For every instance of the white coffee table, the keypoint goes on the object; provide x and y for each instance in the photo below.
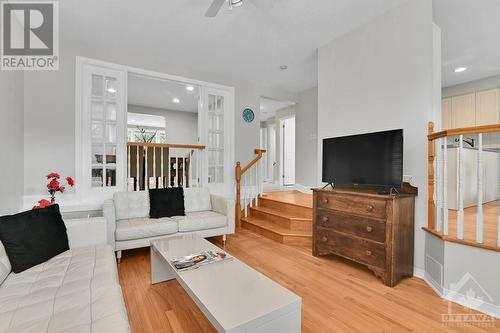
(232, 295)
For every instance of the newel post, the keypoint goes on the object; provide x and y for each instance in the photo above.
(238, 195)
(430, 174)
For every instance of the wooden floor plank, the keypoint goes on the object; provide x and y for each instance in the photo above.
(337, 295)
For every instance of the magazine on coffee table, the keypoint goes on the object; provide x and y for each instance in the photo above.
(196, 260)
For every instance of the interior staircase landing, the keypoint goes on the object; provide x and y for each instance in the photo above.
(285, 217)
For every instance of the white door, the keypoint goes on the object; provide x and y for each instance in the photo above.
(272, 154)
(101, 131)
(288, 151)
(215, 134)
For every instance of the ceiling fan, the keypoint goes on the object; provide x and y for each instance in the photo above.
(216, 5)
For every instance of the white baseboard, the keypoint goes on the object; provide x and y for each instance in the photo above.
(302, 188)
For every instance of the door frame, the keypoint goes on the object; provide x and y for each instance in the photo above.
(282, 151)
(228, 188)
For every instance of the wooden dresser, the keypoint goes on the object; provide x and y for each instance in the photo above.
(372, 229)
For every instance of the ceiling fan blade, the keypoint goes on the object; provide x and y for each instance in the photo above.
(214, 8)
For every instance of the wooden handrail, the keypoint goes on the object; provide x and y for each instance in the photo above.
(167, 145)
(465, 130)
(240, 171)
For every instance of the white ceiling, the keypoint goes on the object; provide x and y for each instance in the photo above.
(246, 43)
(470, 38)
(269, 106)
(250, 43)
(160, 94)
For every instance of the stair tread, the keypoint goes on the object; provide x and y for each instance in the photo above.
(276, 228)
(280, 213)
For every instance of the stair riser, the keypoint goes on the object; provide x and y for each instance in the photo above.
(302, 212)
(284, 222)
(290, 240)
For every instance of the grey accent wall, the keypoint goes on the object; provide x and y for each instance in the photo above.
(180, 127)
(11, 141)
(306, 135)
(380, 77)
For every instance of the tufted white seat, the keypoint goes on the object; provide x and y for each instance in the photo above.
(200, 220)
(145, 227)
(76, 291)
(128, 222)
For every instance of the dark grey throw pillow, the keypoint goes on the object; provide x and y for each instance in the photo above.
(166, 202)
(33, 237)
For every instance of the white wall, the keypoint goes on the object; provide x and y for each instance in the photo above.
(306, 127)
(472, 86)
(180, 126)
(50, 109)
(380, 77)
(11, 141)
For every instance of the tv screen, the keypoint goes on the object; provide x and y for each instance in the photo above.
(373, 159)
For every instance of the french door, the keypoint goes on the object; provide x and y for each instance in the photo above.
(101, 163)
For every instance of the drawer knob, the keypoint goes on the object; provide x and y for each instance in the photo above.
(369, 208)
(324, 238)
(368, 252)
(369, 228)
(325, 200)
(325, 219)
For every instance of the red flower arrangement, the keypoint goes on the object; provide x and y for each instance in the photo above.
(53, 187)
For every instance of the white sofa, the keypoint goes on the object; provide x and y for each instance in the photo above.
(76, 291)
(129, 225)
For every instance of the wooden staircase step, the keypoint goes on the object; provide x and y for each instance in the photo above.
(291, 208)
(282, 218)
(276, 232)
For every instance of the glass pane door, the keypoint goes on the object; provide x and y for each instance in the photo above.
(215, 144)
(102, 129)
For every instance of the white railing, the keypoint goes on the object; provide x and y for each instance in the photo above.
(461, 181)
(151, 165)
(249, 184)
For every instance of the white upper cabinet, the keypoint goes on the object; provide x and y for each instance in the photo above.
(487, 107)
(446, 117)
(463, 110)
(469, 110)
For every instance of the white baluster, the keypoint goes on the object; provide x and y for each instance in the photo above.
(245, 193)
(439, 192)
(161, 168)
(138, 185)
(128, 168)
(146, 179)
(250, 180)
(191, 153)
(461, 165)
(479, 214)
(257, 175)
(445, 186)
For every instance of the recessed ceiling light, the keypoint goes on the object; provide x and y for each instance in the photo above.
(111, 90)
(176, 100)
(460, 69)
(132, 120)
(189, 88)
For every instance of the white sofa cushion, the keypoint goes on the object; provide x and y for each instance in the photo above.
(144, 228)
(200, 221)
(196, 199)
(76, 291)
(5, 267)
(130, 205)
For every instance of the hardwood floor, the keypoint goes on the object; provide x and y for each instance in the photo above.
(337, 296)
(490, 221)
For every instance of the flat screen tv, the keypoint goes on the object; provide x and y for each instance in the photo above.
(372, 160)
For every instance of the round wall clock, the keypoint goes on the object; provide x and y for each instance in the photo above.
(248, 115)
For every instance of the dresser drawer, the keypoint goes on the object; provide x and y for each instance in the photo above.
(358, 249)
(351, 204)
(351, 224)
